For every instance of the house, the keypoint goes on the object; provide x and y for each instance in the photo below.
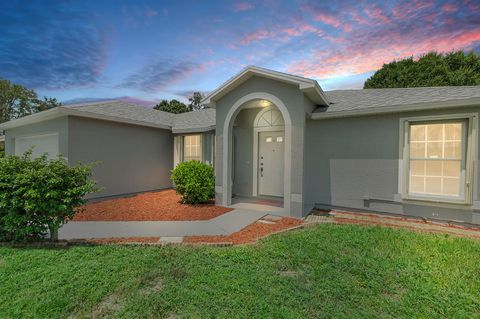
(280, 138)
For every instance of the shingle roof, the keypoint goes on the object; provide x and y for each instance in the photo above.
(125, 110)
(342, 103)
(352, 100)
(197, 121)
(202, 120)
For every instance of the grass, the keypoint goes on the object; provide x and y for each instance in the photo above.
(331, 271)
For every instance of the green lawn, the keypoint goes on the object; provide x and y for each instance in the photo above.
(328, 271)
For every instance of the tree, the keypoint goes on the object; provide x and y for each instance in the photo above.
(173, 106)
(17, 101)
(432, 69)
(196, 101)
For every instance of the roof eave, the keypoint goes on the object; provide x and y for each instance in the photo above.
(34, 118)
(397, 109)
(194, 130)
(66, 111)
(110, 118)
(309, 86)
(315, 93)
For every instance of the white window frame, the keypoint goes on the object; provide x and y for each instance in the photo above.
(470, 140)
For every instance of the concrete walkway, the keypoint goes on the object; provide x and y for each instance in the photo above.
(242, 216)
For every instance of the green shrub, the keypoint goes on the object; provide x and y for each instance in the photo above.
(37, 196)
(195, 182)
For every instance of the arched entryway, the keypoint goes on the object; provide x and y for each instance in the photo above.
(271, 125)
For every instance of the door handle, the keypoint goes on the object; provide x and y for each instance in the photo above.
(261, 171)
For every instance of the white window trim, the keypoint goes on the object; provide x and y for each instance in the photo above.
(471, 158)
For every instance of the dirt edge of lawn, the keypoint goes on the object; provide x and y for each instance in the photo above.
(262, 228)
(266, 227)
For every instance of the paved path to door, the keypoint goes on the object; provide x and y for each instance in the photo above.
(242, 216)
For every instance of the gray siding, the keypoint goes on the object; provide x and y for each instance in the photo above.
(353, 163)
(132, 158)
(58, 125)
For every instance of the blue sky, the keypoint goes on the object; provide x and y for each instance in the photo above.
(149, 50)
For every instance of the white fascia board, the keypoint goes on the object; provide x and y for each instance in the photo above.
(315, 93)
(31, 119)
(397, 109)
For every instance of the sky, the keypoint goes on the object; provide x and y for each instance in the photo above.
(151, 50)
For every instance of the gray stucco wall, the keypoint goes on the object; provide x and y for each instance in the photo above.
(294, 101)
(58, 125)
(133, 158)
(243, 152)
(353, 163)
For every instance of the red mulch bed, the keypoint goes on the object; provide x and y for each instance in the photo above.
(160, 206)
(249, 234)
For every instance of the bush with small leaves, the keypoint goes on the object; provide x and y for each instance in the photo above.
(37, 196)
(194, 181)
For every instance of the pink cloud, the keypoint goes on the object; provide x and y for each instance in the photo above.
(332, 20)
(377, 14)
(256, 35)
(405, 10)
(301, 28)
(363, 57)
(274, 33)
(449, 7)
(347, 27)
(360, 19)
(326, 17)
(242, 6)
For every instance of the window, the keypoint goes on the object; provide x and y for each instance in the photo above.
(436, 159)
(192, 149)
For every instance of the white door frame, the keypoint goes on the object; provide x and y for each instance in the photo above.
(227, 146)
(256, 131)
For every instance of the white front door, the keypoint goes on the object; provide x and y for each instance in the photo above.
(270, 163)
